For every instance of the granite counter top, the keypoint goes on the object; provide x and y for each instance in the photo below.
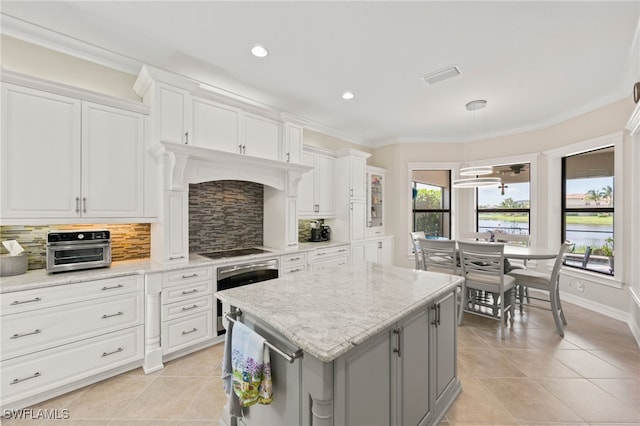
(328, 312)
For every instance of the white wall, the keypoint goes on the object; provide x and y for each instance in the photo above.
(27, 58)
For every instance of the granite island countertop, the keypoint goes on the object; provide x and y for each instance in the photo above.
(328, 312)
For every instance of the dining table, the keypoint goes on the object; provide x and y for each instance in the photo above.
(528, 252)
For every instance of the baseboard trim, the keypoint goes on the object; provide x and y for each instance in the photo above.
(635, 328)
(596, 307)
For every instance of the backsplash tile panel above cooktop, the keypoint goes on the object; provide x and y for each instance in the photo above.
(225, 215)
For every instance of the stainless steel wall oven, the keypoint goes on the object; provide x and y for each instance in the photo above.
(232, 276)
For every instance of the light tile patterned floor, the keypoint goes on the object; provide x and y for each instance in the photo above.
(534, 377)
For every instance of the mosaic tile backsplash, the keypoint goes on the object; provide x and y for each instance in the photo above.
(225, 215)
(128, 240)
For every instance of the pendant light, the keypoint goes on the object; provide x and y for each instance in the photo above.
(474, 171)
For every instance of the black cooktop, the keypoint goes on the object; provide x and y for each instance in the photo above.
(233, 253)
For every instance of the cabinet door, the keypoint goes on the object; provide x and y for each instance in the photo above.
(171, 120)
(371, 251)
(357, 254)
(262, 137)
(325, 170)
(358, 178)
(358, 218)
(215, 126)
(176, 231)
(40, 154)
(363, 384)
(112, 162)
(385, 252)
(306, 187)
(445, 344)
(292, 143)
(414, 399)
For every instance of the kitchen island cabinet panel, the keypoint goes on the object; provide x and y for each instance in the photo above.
(371, 361)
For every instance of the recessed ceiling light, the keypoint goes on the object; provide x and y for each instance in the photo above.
(348, 95)
(259, 51)
(476, 105)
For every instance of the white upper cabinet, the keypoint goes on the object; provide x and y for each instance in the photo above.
(215, 125)
(261, 137)
(316, 197)
(67, 158)
(171, 122)
(112, 158)
(40, 153)
(358, 178)
(292, 143)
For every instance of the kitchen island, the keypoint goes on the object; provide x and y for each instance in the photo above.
(378, 343)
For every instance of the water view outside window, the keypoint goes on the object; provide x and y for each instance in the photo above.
(431, 202)
(505, 208)
(587, 216)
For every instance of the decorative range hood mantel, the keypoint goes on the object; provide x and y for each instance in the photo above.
(185, 164)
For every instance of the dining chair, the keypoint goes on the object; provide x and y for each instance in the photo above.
(439, 255)
(416, 247)
(528, 278)
(483, 270)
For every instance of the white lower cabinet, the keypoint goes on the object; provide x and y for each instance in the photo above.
(188, 309)
(59, 338)
(292, 263)
(329, 257)
(409, 371)
(379, 250)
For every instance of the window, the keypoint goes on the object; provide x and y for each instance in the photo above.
(587, 209)
(432, 202)
(506, 208)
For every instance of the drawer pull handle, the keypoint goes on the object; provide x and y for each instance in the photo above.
(342, 250)
(190, 276)
(14, 381)
(19, 302)
(190, 331)
(176, 257)
(190, 291)
(113, 287)
(321, 253)
(15, 336)
(188, 308)
(291, 259)
(105, 316)
(111, 353)
(295, 270)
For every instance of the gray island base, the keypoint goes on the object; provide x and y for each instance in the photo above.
(378, 342)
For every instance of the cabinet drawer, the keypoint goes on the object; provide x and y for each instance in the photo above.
(187, 276)
(293, 268)
(293, 258)
(28, 332)
(29, 300)
(43, 371)
(184, 332)
(187, 291)
(319, 254)
(331, 262)
(187, 307)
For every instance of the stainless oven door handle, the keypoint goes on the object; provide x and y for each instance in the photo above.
(239, 269)
(101, 244)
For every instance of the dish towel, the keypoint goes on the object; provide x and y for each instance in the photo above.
(246, 368)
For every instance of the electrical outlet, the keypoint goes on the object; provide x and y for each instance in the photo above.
(580, 286)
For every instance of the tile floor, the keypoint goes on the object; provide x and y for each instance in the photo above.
(534, 377)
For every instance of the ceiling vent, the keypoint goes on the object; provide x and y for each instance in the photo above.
(438, 76)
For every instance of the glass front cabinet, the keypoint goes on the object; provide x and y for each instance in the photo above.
(375, 201)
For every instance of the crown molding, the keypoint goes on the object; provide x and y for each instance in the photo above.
(26, 31)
